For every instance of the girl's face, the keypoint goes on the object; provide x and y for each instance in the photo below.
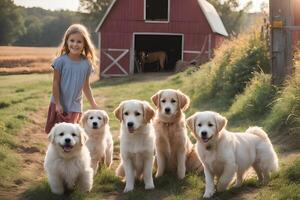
(75, 44)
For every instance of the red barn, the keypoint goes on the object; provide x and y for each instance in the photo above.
(183, 29)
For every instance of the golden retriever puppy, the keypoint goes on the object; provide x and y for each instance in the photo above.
(100, 142)
(174, 150)
(224, 153)
(136, 142)
(68, 159)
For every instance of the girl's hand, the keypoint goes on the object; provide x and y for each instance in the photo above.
(96, 107)
(59, 109)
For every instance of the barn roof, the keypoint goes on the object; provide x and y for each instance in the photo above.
(212, 17)
(209, 11)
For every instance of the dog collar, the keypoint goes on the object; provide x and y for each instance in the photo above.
(208, 147)
(167, 124)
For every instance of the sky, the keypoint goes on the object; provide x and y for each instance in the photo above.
(74, 4)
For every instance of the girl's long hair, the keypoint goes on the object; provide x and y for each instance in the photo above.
(88, 49)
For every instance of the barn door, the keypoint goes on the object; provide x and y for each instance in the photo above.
(114, 56)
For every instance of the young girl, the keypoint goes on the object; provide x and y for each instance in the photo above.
(72, 70)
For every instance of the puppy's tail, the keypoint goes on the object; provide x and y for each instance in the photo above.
(269, 159)
(255, 130)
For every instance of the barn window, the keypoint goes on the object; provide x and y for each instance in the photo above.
(157, 10)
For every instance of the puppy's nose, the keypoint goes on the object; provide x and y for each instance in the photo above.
(167, 110)
(130, 124)
(95, 123)
(204, 133)
(67, 140)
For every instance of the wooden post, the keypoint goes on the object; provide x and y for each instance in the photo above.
(281, 39)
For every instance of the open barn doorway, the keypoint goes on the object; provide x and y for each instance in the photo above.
(149, 48)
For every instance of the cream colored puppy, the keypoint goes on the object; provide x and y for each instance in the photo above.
(100, 142)
(225, 153)
(174, 150)
(68, 159)
(136, 142)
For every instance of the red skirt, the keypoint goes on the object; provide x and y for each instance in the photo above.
(54, 117)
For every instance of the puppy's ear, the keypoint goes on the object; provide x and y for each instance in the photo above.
(155, 99)
(184, 100)
(190, 122)
(51, 135)
(220, 122)
(105, 117)
(118, 112)
(148, 111)
(83, 136)
(85, 116)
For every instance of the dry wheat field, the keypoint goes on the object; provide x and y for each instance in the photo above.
(22, 60)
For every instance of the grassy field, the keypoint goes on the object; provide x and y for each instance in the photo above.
(24, 101)
(109, 93)
(23, 60)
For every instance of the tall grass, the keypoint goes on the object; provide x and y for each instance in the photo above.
(285, 115)
(217, 84)
(236, 65)
(255, 102)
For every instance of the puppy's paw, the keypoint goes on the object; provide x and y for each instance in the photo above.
(181, 175)
(208, 194)
(58, 191)
(149, 186)
(127, 189)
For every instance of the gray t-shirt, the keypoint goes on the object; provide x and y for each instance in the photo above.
(72, 77)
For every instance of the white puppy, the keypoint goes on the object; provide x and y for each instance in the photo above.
(136, 142)
(68, 159)
(225, 153)
(100, 142)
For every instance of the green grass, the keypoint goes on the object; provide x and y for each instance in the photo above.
(254, 103)
(285, 184)
(286, 109)
(20, 95)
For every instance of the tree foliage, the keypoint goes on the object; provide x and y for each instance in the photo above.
(230, 14)
(95, 8)
(45, 28)
(11, 22)
(92, 12)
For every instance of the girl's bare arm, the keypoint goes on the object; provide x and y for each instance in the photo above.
(88, 94)
(55, 91)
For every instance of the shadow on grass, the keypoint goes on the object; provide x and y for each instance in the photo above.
(43, 191)
(239, 193)
(164, 187)
(168, 187)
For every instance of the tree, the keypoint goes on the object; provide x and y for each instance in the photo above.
(96, 8)
(92, 13)
(11, 22)
(230, 15)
